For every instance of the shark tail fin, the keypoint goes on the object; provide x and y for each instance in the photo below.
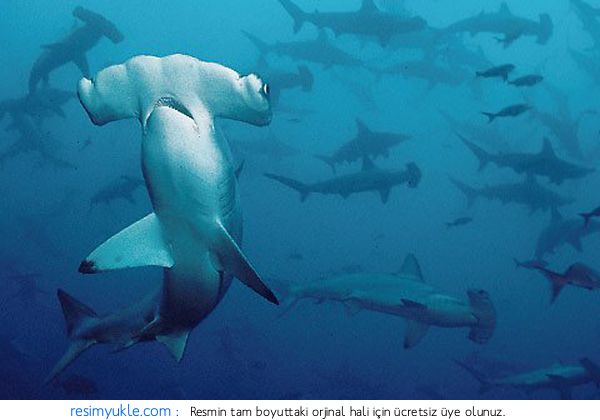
(484, 311)
(468, 191)
(592, 369)
(545, 29)
(491, 116)
(586, 218)
(306, 77)
(261, 45)
(483, 156)
(291, 183)
(484, 382)
(295, 12)
(75, 313)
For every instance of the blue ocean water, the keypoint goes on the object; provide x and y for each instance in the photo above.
(59, 173)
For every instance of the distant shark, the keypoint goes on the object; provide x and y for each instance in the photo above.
(122, 187)
(319, 50)
(282, 80)
(366, 21)
(559, 376)
(404, 294)
(504, 22)
(195, 230)
(545, 163)
(371, 178)
(528, 193)
(561, 231)
(40, 104)
(74, 47)
(366, 142)
(589, 17)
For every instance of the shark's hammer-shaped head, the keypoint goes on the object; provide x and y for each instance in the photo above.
(132, 90)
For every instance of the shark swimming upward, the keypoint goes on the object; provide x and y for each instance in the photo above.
(195, 229)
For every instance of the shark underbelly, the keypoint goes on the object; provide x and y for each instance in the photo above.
(193, 191)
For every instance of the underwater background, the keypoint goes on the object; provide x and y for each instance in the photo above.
(53, 212)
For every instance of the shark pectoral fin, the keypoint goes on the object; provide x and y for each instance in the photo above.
(175, 342)
(556, 287)
(385, 195)
(415, 331)
(75, 349)
(82, 63)
(233, 261)
(138, 245)
(352, 308)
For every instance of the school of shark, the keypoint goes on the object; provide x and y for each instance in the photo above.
(380, 159)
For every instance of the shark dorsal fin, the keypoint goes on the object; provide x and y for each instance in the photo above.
(361, 128)
(410, 267)
(504, 9)
(368, 164)
(547, 149)
(368, 6)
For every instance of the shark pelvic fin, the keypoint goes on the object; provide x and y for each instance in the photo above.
(410, 268)
(138, 245)
(415, 331)
(175, 342)
(232, 260)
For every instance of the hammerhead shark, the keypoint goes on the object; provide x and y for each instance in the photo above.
(504, 22)
(74, 46)
(194, 232)
(561, 377)
(544, 163)
(404, 294)
(370, 178)
(366, 21)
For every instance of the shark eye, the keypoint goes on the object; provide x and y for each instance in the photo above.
(265, 90)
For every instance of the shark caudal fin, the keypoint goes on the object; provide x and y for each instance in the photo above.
(546, 28)
(484, 311)
(306, 77)
(75, 314)
(586, 218)
(138, 245)
(491, 116)
(592, 369)
(260, 45)
(483, 156)
(484, 382)
(297, 14)
(303, 189)
(469, 192)
(231, 259)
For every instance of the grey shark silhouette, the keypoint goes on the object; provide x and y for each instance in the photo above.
(366, 21)
(501, 71)
(404, 294)
(74, 47)
(589, 215)
(561, 231)
(42, 103)
(577, 275)
(195, 229)
(371, 178)
(32, 138)
(545, 163)
(319, 50)
(527, 81)
(587, 62)
(121, 188)
(428, 70)
(559, 376)
(588, 15)
(528, 193)
(366, 142)
(504, 22)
